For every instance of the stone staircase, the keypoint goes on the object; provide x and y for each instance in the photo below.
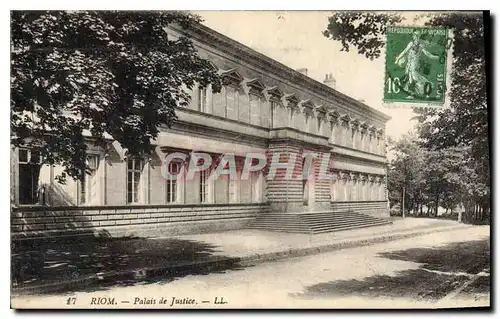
(315, 222)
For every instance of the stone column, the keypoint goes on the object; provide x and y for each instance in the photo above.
(366, 142)
(344, 132)
(370, 143)
(337, 187)
(354, 186)
(361, 187)
(343, 129)
(354, 137)
(347, 186)
(333, 189)
(377, 144)
(321, 188)
(365, 188)
(362, 139)
(378, 181)
(342, 186)
(381, 143)
(334, 132)
(370, 188)
(384, 193)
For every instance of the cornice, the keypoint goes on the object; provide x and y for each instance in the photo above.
(213, 38)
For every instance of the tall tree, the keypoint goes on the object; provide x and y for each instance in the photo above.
(77, 75)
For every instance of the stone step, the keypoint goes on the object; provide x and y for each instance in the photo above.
(316, 222)
(338, 224)
(338, 217)
(319, 220)
(289, 230)
(336, 214)
(326, 229)
(344, 228)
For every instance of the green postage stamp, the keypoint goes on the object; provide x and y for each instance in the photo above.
(416, 65)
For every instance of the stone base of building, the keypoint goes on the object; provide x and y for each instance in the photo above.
(135, 221)
(170, 220)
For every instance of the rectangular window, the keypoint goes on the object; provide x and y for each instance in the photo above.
(345, 134)
(320, 128)
(204, 186)
(274, 110)
(88, 184)
(172, 185)
(29, 173)
(202, 99)
(219, 103)
(352, 142)
(254, 109)
(83, 190)
(244, 108)
(265, 114)
(93, 162)
(134, 171)
(23, 156)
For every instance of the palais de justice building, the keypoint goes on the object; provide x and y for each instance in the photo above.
(265, 107)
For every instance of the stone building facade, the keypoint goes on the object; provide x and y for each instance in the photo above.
(264, 107)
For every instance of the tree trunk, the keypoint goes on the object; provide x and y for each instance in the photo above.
(437, 201)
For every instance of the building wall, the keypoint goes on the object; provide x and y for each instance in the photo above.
(264, 108)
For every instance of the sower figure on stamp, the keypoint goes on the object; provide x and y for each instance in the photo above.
(414, 81)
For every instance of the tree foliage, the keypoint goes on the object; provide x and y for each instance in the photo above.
(432, 178)
(80, 76)
(362, 30)
(458, 134)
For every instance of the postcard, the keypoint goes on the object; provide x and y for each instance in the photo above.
(250, 160)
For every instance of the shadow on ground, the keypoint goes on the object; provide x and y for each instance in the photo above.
(38, 262)
(441, 271)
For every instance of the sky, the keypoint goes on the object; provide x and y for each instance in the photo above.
(295, 39)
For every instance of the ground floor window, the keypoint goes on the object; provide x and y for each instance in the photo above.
(134, 171)
(88, 187)
(202, 99)
(29, 173)
(204, 186)
(83, 190)
(172, 190)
